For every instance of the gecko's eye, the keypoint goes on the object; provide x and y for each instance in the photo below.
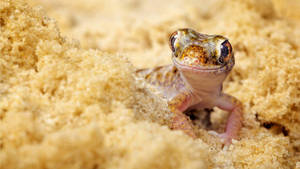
(172, 41)
(225, 52)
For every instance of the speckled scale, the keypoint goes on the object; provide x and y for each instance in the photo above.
(165, 78)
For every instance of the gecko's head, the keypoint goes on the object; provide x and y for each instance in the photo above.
(196, 51)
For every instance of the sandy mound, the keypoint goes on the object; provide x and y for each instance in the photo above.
(76, 104)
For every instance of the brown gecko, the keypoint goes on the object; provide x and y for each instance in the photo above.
(200, 65)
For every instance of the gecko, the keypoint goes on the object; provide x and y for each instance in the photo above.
(201, 63)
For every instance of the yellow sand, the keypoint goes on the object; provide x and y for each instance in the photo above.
(64, 104)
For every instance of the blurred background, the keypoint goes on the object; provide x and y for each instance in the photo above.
(140, 28)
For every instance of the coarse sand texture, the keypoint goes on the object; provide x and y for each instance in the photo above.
(69, 97)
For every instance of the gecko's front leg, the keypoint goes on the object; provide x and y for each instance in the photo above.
(234, 123)
(180, 121)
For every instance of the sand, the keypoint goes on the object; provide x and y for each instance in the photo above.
(69, 97)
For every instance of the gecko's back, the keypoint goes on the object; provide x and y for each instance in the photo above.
(165, 78)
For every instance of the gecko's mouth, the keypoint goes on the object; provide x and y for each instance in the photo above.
(204, 68)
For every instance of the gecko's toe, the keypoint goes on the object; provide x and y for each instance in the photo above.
(225, 138)
(211, 132)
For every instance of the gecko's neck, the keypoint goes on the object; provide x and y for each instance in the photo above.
(203, 83)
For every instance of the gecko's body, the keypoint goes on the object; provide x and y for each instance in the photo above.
(200, 65)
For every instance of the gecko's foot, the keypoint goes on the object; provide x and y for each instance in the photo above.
(183, 123)
(185, 127)
(225, 138)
